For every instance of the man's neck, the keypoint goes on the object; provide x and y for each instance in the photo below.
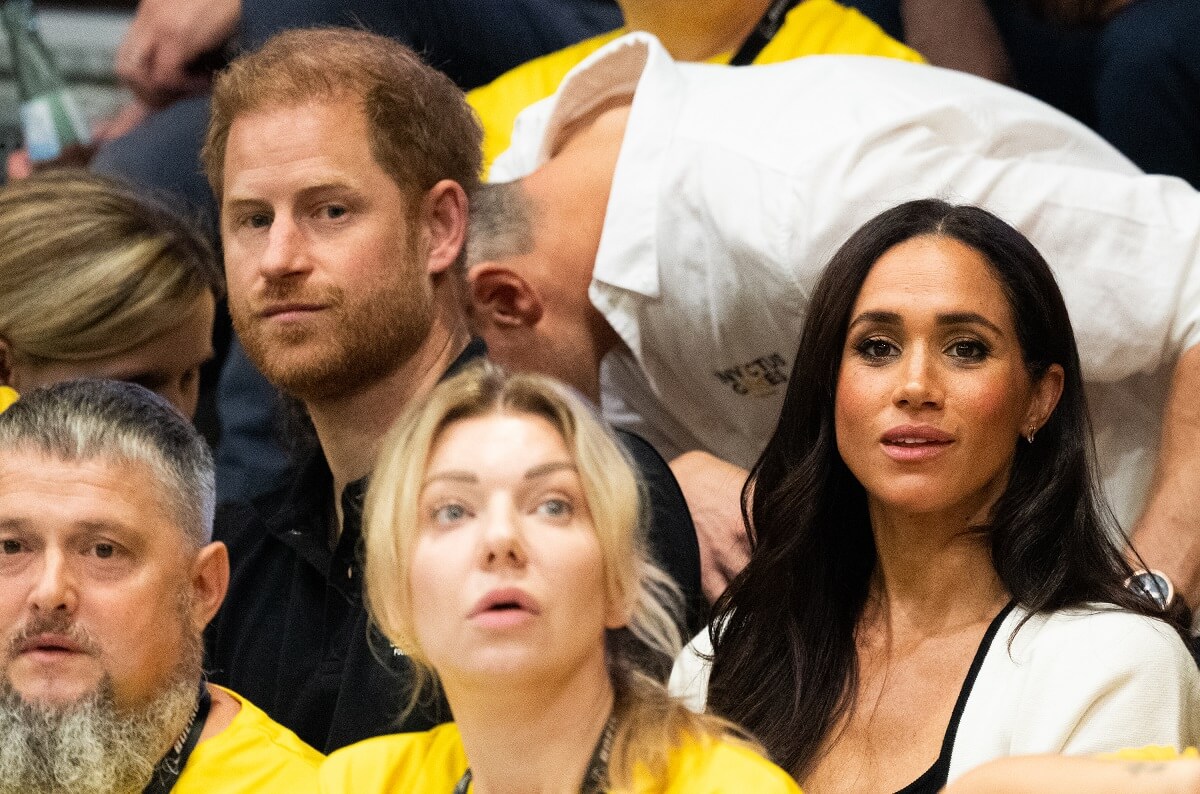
(220, 715)
(351, 426)
(695, 30)
(534, 738)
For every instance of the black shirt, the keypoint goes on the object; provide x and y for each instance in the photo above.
(293, 635)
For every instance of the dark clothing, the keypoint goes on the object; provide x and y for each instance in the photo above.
(1135, 80)
(473, 41)
(293, 633)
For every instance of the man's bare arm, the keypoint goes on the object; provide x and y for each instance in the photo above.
(1168, 534)
(1044, 773)
(713, 490)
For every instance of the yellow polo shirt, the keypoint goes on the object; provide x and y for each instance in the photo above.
(253, 755)
(433, 762)
(7, 397)
(813, 27)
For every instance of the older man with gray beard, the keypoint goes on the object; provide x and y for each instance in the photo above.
(108, 577)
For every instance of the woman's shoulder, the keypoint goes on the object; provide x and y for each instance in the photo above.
(709, 765)
(1098, 632)
(431, 760)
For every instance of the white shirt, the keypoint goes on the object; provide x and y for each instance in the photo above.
(1075, 682)
(734, 186)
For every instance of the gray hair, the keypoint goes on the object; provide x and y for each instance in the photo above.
(500, 223)
(122, 422)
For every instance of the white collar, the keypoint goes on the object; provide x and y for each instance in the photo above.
(636, 63)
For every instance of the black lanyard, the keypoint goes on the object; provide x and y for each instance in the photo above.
(764, 31)
(595, 780)
(168, 770)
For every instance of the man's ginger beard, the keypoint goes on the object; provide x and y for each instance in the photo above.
(363, 337)
(90, 746)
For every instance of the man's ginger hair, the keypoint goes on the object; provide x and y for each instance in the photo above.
(421, 128)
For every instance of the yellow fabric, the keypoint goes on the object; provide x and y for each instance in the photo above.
(813, 27)
(432, 762)
(253, 755)
(7, 397)
(1152, 753)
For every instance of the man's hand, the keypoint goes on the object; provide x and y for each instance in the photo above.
(1168, 534)
(713, 490)
(164, 38)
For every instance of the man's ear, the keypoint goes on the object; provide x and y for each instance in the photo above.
(501, 297)
(209, 581)
(444, 217)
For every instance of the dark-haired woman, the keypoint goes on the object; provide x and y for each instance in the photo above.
(934, 583)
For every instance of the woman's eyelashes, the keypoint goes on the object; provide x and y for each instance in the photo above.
(880, 350)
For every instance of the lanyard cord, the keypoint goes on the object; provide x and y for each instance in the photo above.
(764, 31)
(168, 770)
(595, 780)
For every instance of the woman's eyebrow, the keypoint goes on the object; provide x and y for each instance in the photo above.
(968, 318)
(547, 468)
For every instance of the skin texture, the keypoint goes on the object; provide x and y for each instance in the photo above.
(313, 225)
(503, 507)
(931, 344)
(93, 544)
(168, 364)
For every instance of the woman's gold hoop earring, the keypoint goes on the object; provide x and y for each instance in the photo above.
(1030, 434)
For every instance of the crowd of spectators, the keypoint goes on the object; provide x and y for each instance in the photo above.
(566, 332)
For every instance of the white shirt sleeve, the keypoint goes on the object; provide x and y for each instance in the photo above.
(1080, 683)
(689, 676)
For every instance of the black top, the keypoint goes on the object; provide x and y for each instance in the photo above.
(936, 777)
(292, 636)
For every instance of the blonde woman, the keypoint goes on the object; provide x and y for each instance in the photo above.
(505, 555)
(97, 281)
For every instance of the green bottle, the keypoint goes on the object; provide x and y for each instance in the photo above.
(54, 128)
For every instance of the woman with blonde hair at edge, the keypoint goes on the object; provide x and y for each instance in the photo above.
(505, 553)
(98, 281)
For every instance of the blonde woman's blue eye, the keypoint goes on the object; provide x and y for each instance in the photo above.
(449, 514)
(555, 508)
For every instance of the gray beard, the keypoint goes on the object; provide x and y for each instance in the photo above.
(89, 747)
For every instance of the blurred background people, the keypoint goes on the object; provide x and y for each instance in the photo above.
(736, 32)
(1130, 69)
(934, 583)
(507, 556)
(108, 577)
(98, 280)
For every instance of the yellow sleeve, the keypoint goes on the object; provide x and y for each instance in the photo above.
(1152, 753)
(253, 755)
(7, 397)
(498, 103)
(825, 27)
(432, 761)
(721, 766)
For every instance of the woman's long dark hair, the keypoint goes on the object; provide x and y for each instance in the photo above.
(784, 664)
